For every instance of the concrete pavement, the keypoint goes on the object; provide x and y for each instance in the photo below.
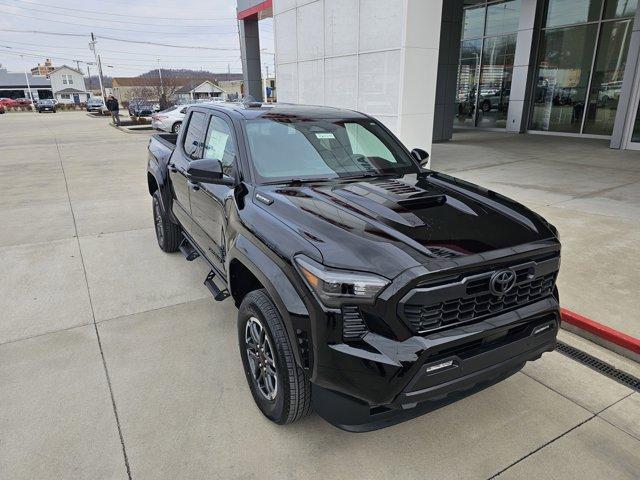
(116, 363)
(589, 191)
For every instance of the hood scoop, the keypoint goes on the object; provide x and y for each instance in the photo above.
(410, 196)
(399, 188)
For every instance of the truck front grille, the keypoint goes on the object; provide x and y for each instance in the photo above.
(470, 299)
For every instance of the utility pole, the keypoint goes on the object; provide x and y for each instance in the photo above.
(78, 65)
(92, 46)
(28, 84)
(162, 99)
(89, 76)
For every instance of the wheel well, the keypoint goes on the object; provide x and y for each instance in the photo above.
(153, 185)
(241, 281)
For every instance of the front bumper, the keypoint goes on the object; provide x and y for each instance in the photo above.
(386, 382)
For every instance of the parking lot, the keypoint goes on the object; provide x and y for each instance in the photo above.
(115, 362)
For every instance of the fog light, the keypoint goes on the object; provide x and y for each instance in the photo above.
(544, 328)
(439, 366)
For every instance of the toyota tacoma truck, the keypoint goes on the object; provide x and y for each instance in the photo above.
(368, 287)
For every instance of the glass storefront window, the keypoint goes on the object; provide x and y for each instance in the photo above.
(486, 62)
(495, 81)
(568, 12)
(503, 17)
(578, 82)
(562, 78)
(468, 71)
(473, 22)
(620, 8)
(606, 82)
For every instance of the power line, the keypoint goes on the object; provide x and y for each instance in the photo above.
(115, 39)
(130, 67)
(108, 20)
(52, 54)
(122, 52)
(130, 16)
(114, 28)
(83, 35)
(165, 44)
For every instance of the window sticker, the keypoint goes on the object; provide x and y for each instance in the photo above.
(325, 136)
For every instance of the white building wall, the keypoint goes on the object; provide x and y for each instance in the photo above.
(376, 56)
(57, 84)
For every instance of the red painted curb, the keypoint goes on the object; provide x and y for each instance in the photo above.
(614, 336)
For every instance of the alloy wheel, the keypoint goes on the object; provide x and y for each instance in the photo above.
(261, 357)
(157, 220)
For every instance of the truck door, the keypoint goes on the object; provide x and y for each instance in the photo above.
(208, 200)
(190, 148)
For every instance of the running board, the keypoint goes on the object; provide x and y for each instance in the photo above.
(218, 293)
(188, 251)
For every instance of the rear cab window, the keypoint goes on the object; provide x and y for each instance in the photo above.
(193, 139)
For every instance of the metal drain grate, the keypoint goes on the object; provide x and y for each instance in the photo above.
(599, 366)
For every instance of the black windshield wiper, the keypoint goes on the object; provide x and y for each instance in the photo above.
(368, 175)
(298, 181)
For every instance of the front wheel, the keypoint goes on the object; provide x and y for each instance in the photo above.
(167, 232)
(277, 383)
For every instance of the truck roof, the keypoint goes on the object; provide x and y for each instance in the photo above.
(252, 110)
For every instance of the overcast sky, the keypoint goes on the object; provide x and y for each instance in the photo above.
(193, 23)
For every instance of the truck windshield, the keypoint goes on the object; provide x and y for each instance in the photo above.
(286, 148)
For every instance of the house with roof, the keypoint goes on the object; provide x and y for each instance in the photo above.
(68, 85)
(196, 90)
(176, 88)
(14, 85)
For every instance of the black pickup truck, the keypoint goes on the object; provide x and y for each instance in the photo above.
(368, 286)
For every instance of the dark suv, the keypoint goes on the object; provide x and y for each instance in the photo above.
(367, 285)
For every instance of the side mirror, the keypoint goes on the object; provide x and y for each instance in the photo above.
(207, 171)
(422, 156)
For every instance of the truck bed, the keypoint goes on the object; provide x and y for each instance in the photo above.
(161, 146)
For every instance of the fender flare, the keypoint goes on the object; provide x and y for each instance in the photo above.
(284, 295)
(165, 194)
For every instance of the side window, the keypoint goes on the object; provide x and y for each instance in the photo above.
(366, 143)
(194, 135)
(184, 110)
(219, 144)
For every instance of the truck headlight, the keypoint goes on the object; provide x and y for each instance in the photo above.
(333, 287)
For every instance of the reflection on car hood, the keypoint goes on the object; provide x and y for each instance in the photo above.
(397, 223)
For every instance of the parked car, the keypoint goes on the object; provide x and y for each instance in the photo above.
(169, 120)
(46, 105)
(8, 102)
(609, 94)
(497, 99)
(95, 104)
(24, 102)
(367, 285)
(141, 108)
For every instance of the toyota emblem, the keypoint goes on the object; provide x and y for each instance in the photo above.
(502, 282)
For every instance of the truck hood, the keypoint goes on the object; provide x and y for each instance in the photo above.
(387, 225)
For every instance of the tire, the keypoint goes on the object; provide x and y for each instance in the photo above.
(486, 106)
(176, 127)
(167, 232)
(291, 397)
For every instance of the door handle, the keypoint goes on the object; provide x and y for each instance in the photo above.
(173, 168)
(194, 185)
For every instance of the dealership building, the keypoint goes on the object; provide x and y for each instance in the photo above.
(425, 67)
